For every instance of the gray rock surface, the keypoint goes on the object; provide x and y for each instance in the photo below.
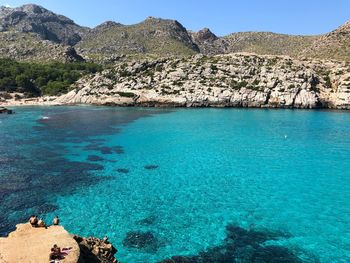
(36, 19)
(235, 80)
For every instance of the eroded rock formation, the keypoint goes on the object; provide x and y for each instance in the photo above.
(235, 80)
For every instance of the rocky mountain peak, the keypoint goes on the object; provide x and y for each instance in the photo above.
(204, 35)
(34, 9)
(36, 19)
(343, 29)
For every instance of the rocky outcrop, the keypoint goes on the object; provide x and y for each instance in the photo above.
(95, 250)
(71, 55)
(33, 245)
(36, 19)
(236, 80)
(30, 47)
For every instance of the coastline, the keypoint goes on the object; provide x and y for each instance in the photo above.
(53, 101)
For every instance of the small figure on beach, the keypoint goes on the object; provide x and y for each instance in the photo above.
(105, 240)
(41, 223)
(56, 221)
(33, 220)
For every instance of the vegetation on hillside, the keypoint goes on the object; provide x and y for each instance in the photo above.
(160, 37)
(35, 79)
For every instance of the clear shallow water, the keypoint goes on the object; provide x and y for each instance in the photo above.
(270, 170)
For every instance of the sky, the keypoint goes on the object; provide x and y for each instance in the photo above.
(297, 17)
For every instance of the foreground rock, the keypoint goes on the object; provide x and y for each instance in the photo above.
(33, 245)
(235, 80)
(95, 250)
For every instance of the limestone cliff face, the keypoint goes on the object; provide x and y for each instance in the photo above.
(237, 80)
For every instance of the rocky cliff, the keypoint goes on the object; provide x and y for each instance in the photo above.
(236, 80)
(36, 19)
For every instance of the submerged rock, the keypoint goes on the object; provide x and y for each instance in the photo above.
(118, 149)
(94, 158)
(151, 167)
(145, 241)
(244, 246)
(123, 170)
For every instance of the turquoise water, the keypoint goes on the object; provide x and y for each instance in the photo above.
(270, 170)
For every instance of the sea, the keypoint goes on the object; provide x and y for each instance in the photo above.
(203, 185)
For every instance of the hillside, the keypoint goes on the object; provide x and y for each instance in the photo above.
(153, 36)
(30, 47)
(334, 45)
(262, 43)
(36, 19)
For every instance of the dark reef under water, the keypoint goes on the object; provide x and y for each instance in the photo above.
(33, 161)
(244, 246)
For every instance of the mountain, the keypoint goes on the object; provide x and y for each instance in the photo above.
(36, 19)
(24, 30)
(253, 42)
(334, 45)
(161, 37)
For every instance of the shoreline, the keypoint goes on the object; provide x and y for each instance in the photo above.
(166, 105)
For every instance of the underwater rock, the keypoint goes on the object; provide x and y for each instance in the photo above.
(241, 245)
(151, 167)
(145, 241)
(118, 149)
(106, 150)
(123, 171)
(274, 254)
(98, 148)
(94, 158)
(150, 220)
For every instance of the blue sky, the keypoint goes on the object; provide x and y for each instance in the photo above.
(221, 16)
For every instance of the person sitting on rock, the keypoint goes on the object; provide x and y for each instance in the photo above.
(33, 220)
(105, 239)
(56, 221)
(41, 223)
(55, 252)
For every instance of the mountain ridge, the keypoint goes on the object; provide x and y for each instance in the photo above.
(164, 37)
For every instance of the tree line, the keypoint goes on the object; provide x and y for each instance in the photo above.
(35, 79)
